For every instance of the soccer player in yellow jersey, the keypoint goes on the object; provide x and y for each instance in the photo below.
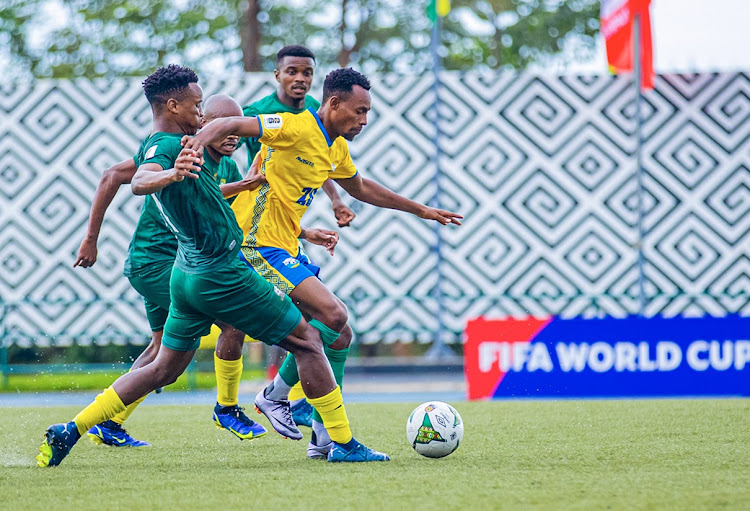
(303, 151)
(295, 68)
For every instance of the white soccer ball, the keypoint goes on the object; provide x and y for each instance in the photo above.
(434, 429)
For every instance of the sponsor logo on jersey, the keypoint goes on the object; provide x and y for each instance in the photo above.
(306, 162)
(272, 121)
(150, 153)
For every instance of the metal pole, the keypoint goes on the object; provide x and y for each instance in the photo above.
(638, 160)
(438, 349)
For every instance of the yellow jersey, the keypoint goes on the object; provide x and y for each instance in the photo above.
(297, 157)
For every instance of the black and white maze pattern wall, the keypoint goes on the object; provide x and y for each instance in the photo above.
(543, 169)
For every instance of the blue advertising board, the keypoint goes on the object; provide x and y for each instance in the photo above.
(608, 357)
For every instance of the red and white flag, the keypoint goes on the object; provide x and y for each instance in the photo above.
(617, 26)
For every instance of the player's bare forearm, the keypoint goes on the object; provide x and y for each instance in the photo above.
(367, 190)
(331, 191)
(344, 215)
(231, 189)
(376, 194)
(112, 178)
(252, 180)
(219, 129)
(148, 181)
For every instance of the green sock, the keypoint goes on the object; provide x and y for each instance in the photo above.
(327, 335)
(288, 370)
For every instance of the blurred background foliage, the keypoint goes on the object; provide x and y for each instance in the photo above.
(105, 38)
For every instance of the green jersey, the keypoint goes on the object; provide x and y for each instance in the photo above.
(271, 105)
(207, 233)
(153, 244)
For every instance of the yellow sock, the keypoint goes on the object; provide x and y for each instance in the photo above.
(331, 410)
(105, 406)
(121, 417)
(296, 393)
(228, 374)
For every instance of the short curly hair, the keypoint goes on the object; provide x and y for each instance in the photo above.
(341, 82)
(294, 50)
(167, 82)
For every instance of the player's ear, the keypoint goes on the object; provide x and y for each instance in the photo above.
(334, 102)
(276, 74)
(172, 105)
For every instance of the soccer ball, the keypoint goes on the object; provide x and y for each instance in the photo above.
(434, 429)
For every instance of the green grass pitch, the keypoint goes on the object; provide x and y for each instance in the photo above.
(652, 454)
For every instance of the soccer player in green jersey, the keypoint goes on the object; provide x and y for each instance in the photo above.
(208, 281)
(303, 151)
(295, 69)
(148, 267)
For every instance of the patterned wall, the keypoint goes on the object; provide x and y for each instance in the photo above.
(543, 169)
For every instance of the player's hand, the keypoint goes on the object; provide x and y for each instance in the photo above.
(254, 178)
(187, 164)
(86, 253)
(441, 215)
(322, 237)
(344, 215)
(193, 143)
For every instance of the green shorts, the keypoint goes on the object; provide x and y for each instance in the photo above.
(153, 285)
(234, 294)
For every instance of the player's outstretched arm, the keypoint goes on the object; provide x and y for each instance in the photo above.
(150, 177)
(252, 180)
(219, 129)
(112, 178)
(376, 194)
(322, 237)
(344, 215)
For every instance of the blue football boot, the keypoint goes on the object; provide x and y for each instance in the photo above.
(111, 433)
(302, 413)
(354, 452)
(234, 419)
(58, 441)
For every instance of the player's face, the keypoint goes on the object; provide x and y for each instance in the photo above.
(295, 74)
(227, 146)
(189, 111)
(349, 115)
(217, 110)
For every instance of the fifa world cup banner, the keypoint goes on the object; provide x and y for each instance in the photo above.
(607, 357)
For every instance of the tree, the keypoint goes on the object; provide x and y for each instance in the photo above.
(15, 17)
(132, 37)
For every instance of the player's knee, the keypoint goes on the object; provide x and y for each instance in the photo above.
(164, 375)
(304, 341)
(336, 317)
(345, 339)
(230, 336)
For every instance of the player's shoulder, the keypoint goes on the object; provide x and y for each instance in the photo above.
(287, 121)
(339, 151)
(161, 144)
(264, 105)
